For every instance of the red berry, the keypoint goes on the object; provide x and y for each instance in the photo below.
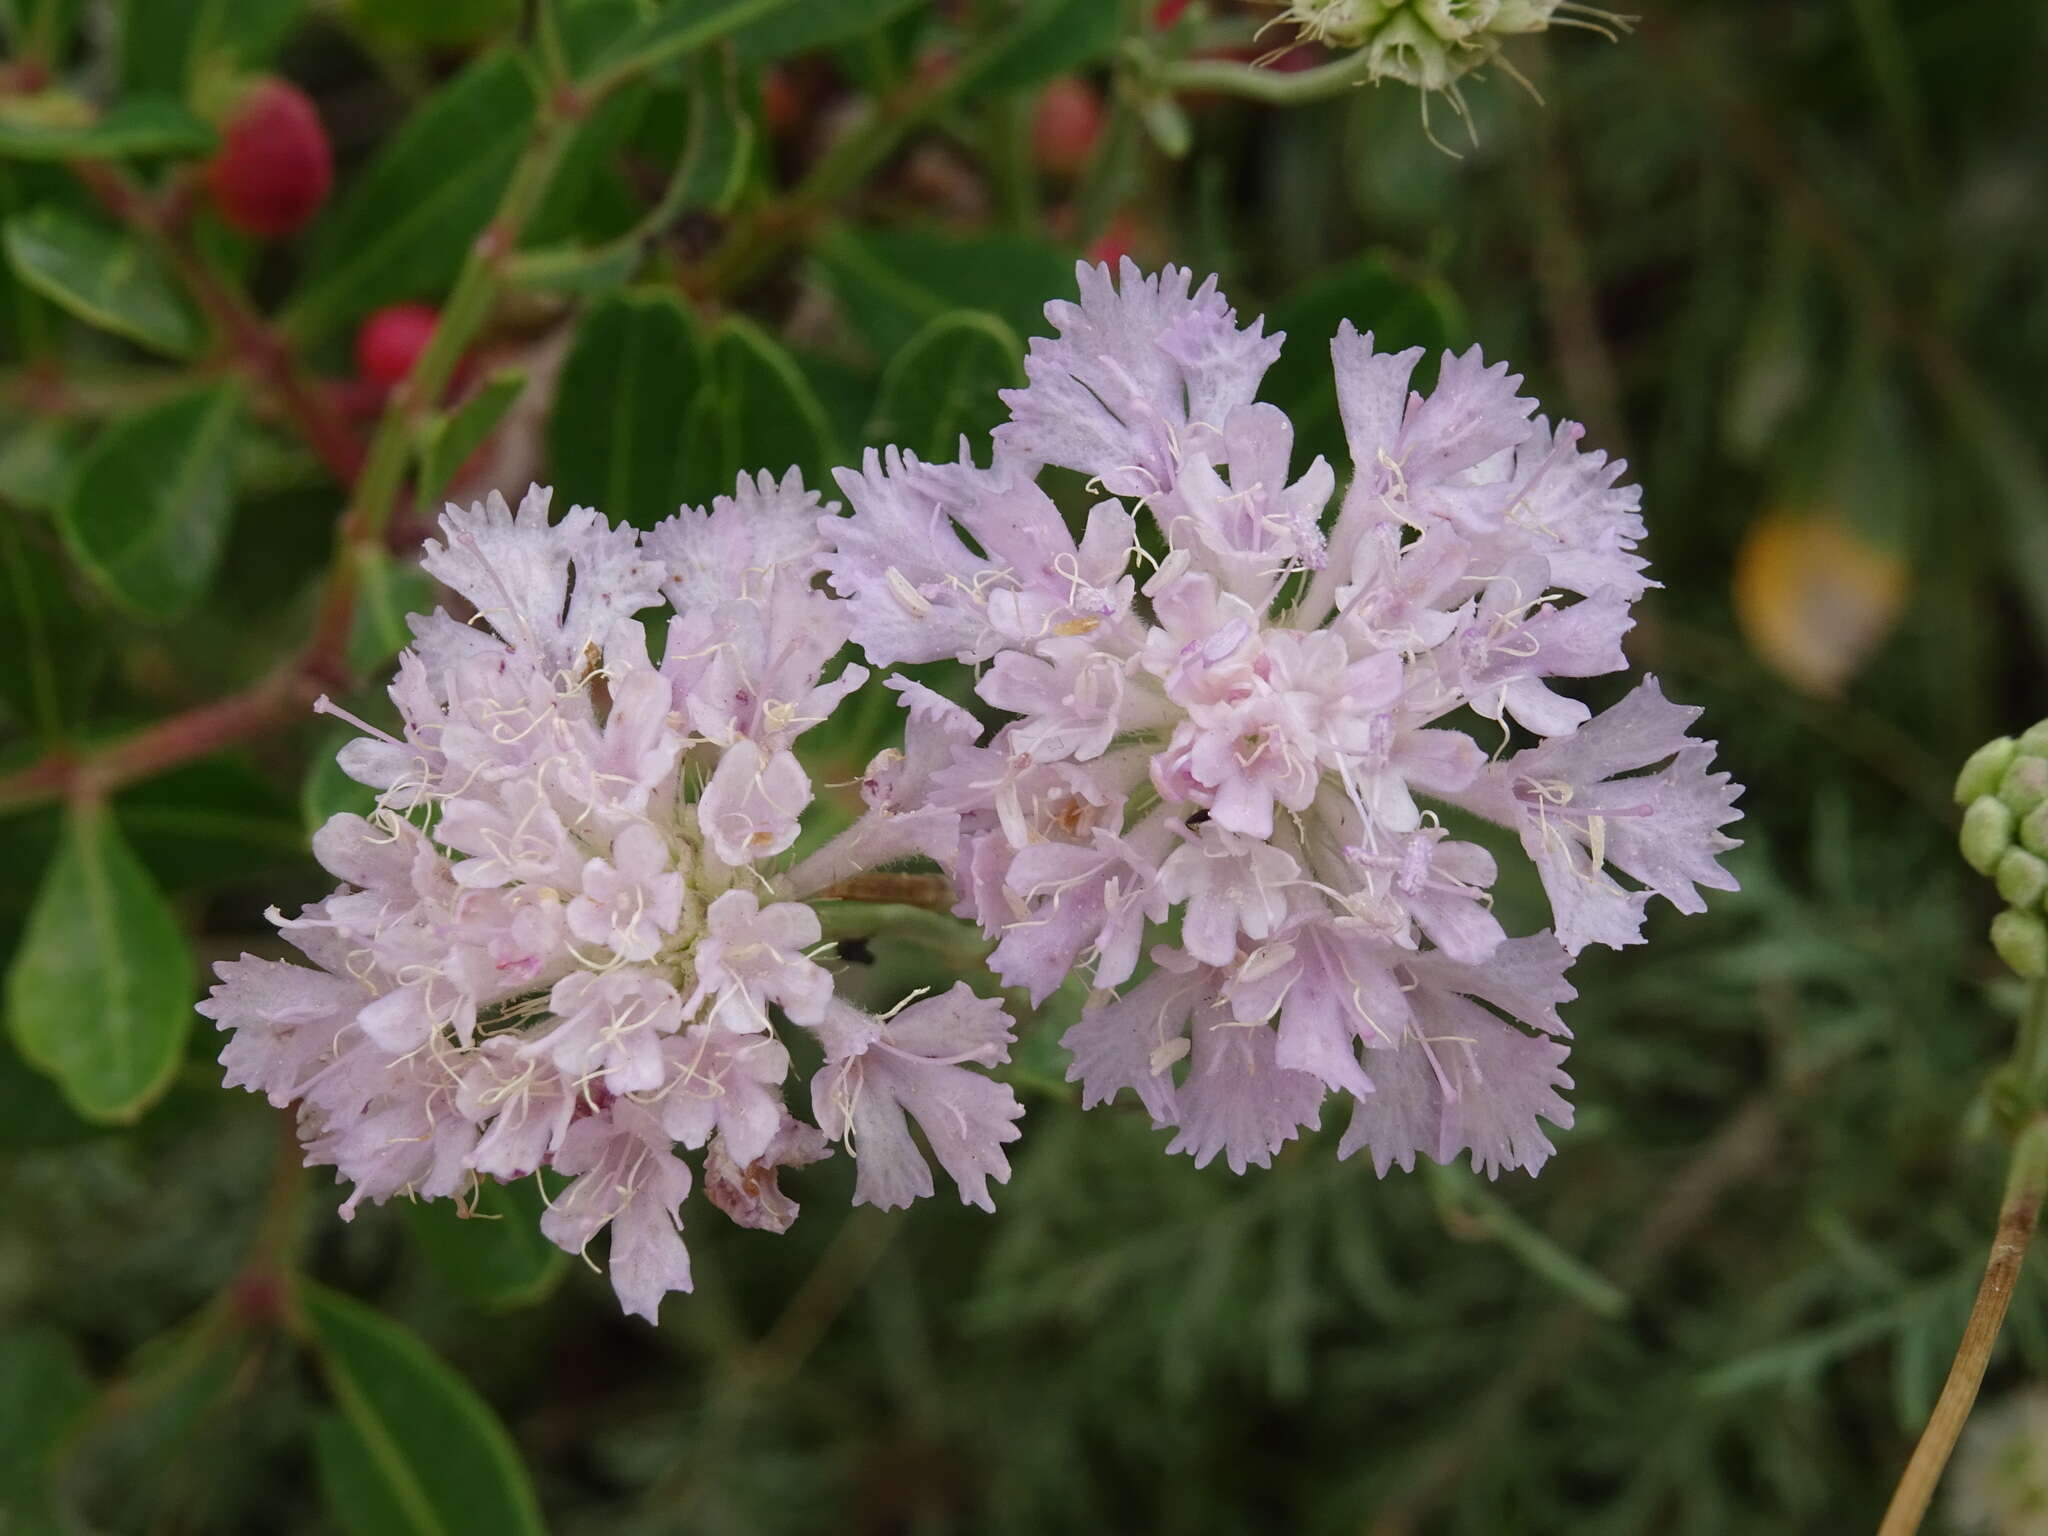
(1167, 12)
(782, 101)
(1114, 243)
(392, 340)
(274, 167)
(1066, 127)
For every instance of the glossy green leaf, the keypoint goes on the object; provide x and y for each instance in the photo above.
(165, 46)
(758, 413)
(616, 438)
(102, 275)
(326, 791)
(891, 283)
(147, 513)
(414, 1445)
(814, 24)
(387, 590)
(61, 127)
(943, 385)
(405, 224)
(683, 26)
(450, 437)
(100, 993)
(43, 1389)
(494, 1255)
(1399, 311)
(52, 643)
(1043, 38)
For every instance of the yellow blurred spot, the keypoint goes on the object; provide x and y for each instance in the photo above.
(1815, 597)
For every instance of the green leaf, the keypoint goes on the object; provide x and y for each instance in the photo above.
(892, 283)
(1045, 38)
(154, 1451)
(759, 412)
(209, 822)
(102, 276)
(1399, 311)
(327, 791)
(36, 461)
(680, 27)
(718, 144)
(147, 513)
(165, 47)
(100, 993)
(406, 223)
(450, 437)
(436, 24)
(56, 126)
(495, 1255)
(43, 1389)
(387, 590)
(814, 24)
(414, 1446)
(575, 269)
(52, 645)
(34, 1114)
(614, 439)
(943, 385)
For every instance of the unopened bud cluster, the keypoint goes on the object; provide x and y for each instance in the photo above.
(2003, 790)
(1428, 44)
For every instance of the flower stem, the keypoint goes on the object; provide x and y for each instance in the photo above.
(2026, 1182)
(1277, 87)
(254, 343)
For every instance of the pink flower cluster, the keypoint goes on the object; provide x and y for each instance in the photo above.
(1252, 770)
(561, 932)
(1251, 736)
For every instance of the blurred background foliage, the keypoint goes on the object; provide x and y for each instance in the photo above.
(1784, 256)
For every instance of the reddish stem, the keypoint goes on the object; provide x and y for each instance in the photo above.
(194, 733)
(255, 345)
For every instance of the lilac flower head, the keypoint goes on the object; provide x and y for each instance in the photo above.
(1241, 781)
(569, 938)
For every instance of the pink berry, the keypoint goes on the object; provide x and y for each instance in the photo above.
(1115, 243)
(392, 340)
(274, 167)
(1066, 126)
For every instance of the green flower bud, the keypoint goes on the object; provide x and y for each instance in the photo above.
(1987, 833)
(1515, 16)
(2022, 878)
(2034, 740)
(1453, 20)
(2025, 784)
(1407, 51)
(1985, 768)
(1338, 23)
(2033, 831)
(2021, 939)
